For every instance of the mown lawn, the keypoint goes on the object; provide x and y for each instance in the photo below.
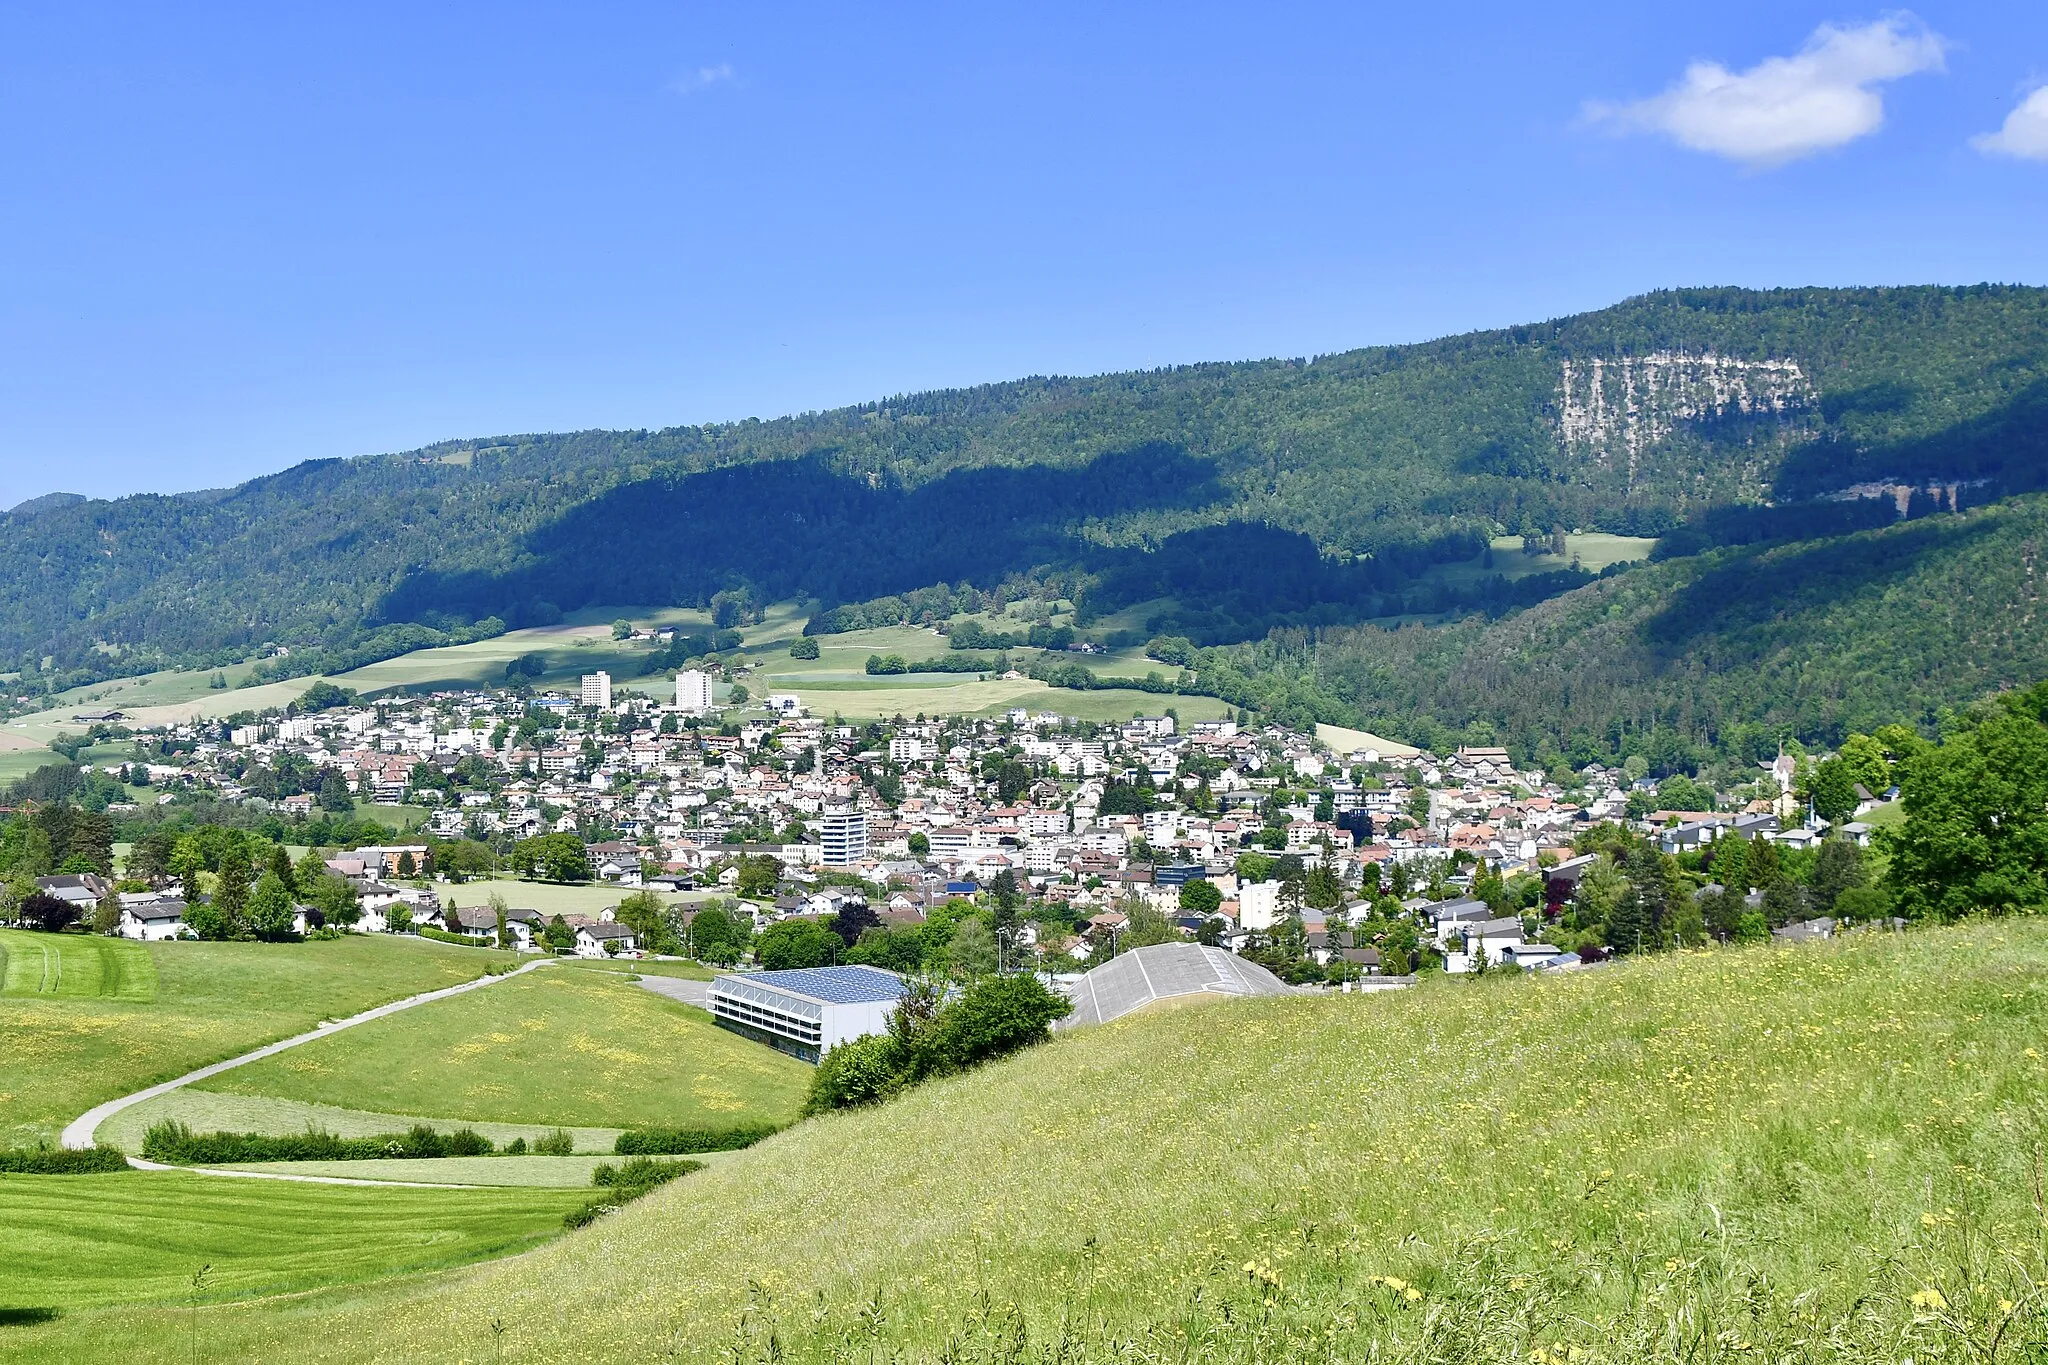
(554, 1046)
(72, 1242)
(1816, 1154)
(61, 1054)
(75, 967)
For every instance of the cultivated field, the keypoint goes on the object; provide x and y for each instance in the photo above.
(554, 1046)
(63, 1052)
(74, 1242)
(1814, 1154)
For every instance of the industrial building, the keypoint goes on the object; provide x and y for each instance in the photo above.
(808, 1011)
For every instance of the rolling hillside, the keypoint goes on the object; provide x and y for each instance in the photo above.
(1820, 1153)
(1314, 491)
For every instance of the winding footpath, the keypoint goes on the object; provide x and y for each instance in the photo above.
(78, 1134)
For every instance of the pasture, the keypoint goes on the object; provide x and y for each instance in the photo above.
(74, 1242)
(554, 1046)
(1819, 1153)
(61, 1054)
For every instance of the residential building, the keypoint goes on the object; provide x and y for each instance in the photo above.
(693, 690)
(597, 690)
(844, 835)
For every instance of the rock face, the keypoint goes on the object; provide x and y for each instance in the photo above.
(1611, 412)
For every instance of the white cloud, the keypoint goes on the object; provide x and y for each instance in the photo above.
(703, 78)
(1784, 108)
(2025, 133)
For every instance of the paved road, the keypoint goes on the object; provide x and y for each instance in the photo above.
(78, 1133)
(696, 993)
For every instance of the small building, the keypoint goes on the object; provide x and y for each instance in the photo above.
(807, 1011)
(593, 940)
(152, 919)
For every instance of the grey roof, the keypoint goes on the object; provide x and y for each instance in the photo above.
(824, 985)
(1162, 971)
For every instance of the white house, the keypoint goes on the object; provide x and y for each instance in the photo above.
(592, 938)
(152, 918)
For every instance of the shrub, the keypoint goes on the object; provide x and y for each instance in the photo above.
(625, 1183)
(677, 1141)
(854, 1073)
(804, 647)
(560, 1142)
(516, 1147)
(994, 1017)
(62, 1161)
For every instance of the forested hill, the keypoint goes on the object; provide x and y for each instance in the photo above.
(1358, 470)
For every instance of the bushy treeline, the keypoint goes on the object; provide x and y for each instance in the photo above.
(930, 1034)
(624, 1183)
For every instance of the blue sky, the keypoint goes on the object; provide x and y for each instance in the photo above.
(241, 237)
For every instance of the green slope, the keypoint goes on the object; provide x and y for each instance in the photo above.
(1735, 648)
(1412, 455)
(1722, 1156)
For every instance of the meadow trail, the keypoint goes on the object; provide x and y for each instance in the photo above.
(78, 1134)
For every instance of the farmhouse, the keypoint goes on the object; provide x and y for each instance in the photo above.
(807, 1011)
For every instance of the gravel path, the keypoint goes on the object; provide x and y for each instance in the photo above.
(79, 1132)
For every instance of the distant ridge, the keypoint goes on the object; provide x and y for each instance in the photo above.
(48, 502)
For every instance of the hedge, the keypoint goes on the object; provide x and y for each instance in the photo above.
(443, 936)
(62, 1161)
(679, 1141)
(174, 1142)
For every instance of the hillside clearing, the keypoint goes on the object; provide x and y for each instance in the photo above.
(574, 1048)
(1776, 1144)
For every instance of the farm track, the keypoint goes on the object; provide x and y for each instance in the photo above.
(78, 1134)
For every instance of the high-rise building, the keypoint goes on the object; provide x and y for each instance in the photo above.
(597, 690)
(845, 837)
(693, 691)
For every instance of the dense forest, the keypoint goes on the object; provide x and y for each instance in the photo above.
(1375, 462)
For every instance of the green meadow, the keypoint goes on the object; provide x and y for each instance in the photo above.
(63, 1052)
(553, 1046)
(77, 1242)
(1827, 1153)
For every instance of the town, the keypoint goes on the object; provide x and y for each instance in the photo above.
(1028, 840)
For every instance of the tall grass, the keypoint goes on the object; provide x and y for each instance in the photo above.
(1831, 1153)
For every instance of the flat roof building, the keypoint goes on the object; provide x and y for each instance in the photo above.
(807, 1011)
(693, 690)
(844, 836)
(597, 690)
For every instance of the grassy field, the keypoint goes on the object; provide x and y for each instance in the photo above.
(62, 1054)
(554, 1046)
(75, 967)
(1808, 1154)
(72, 1242)
(214, 1111)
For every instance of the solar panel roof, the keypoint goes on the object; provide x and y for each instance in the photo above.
(832, 985)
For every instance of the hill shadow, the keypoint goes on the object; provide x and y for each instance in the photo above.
(804, 526)
(1757, 590)
(2007, 447)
